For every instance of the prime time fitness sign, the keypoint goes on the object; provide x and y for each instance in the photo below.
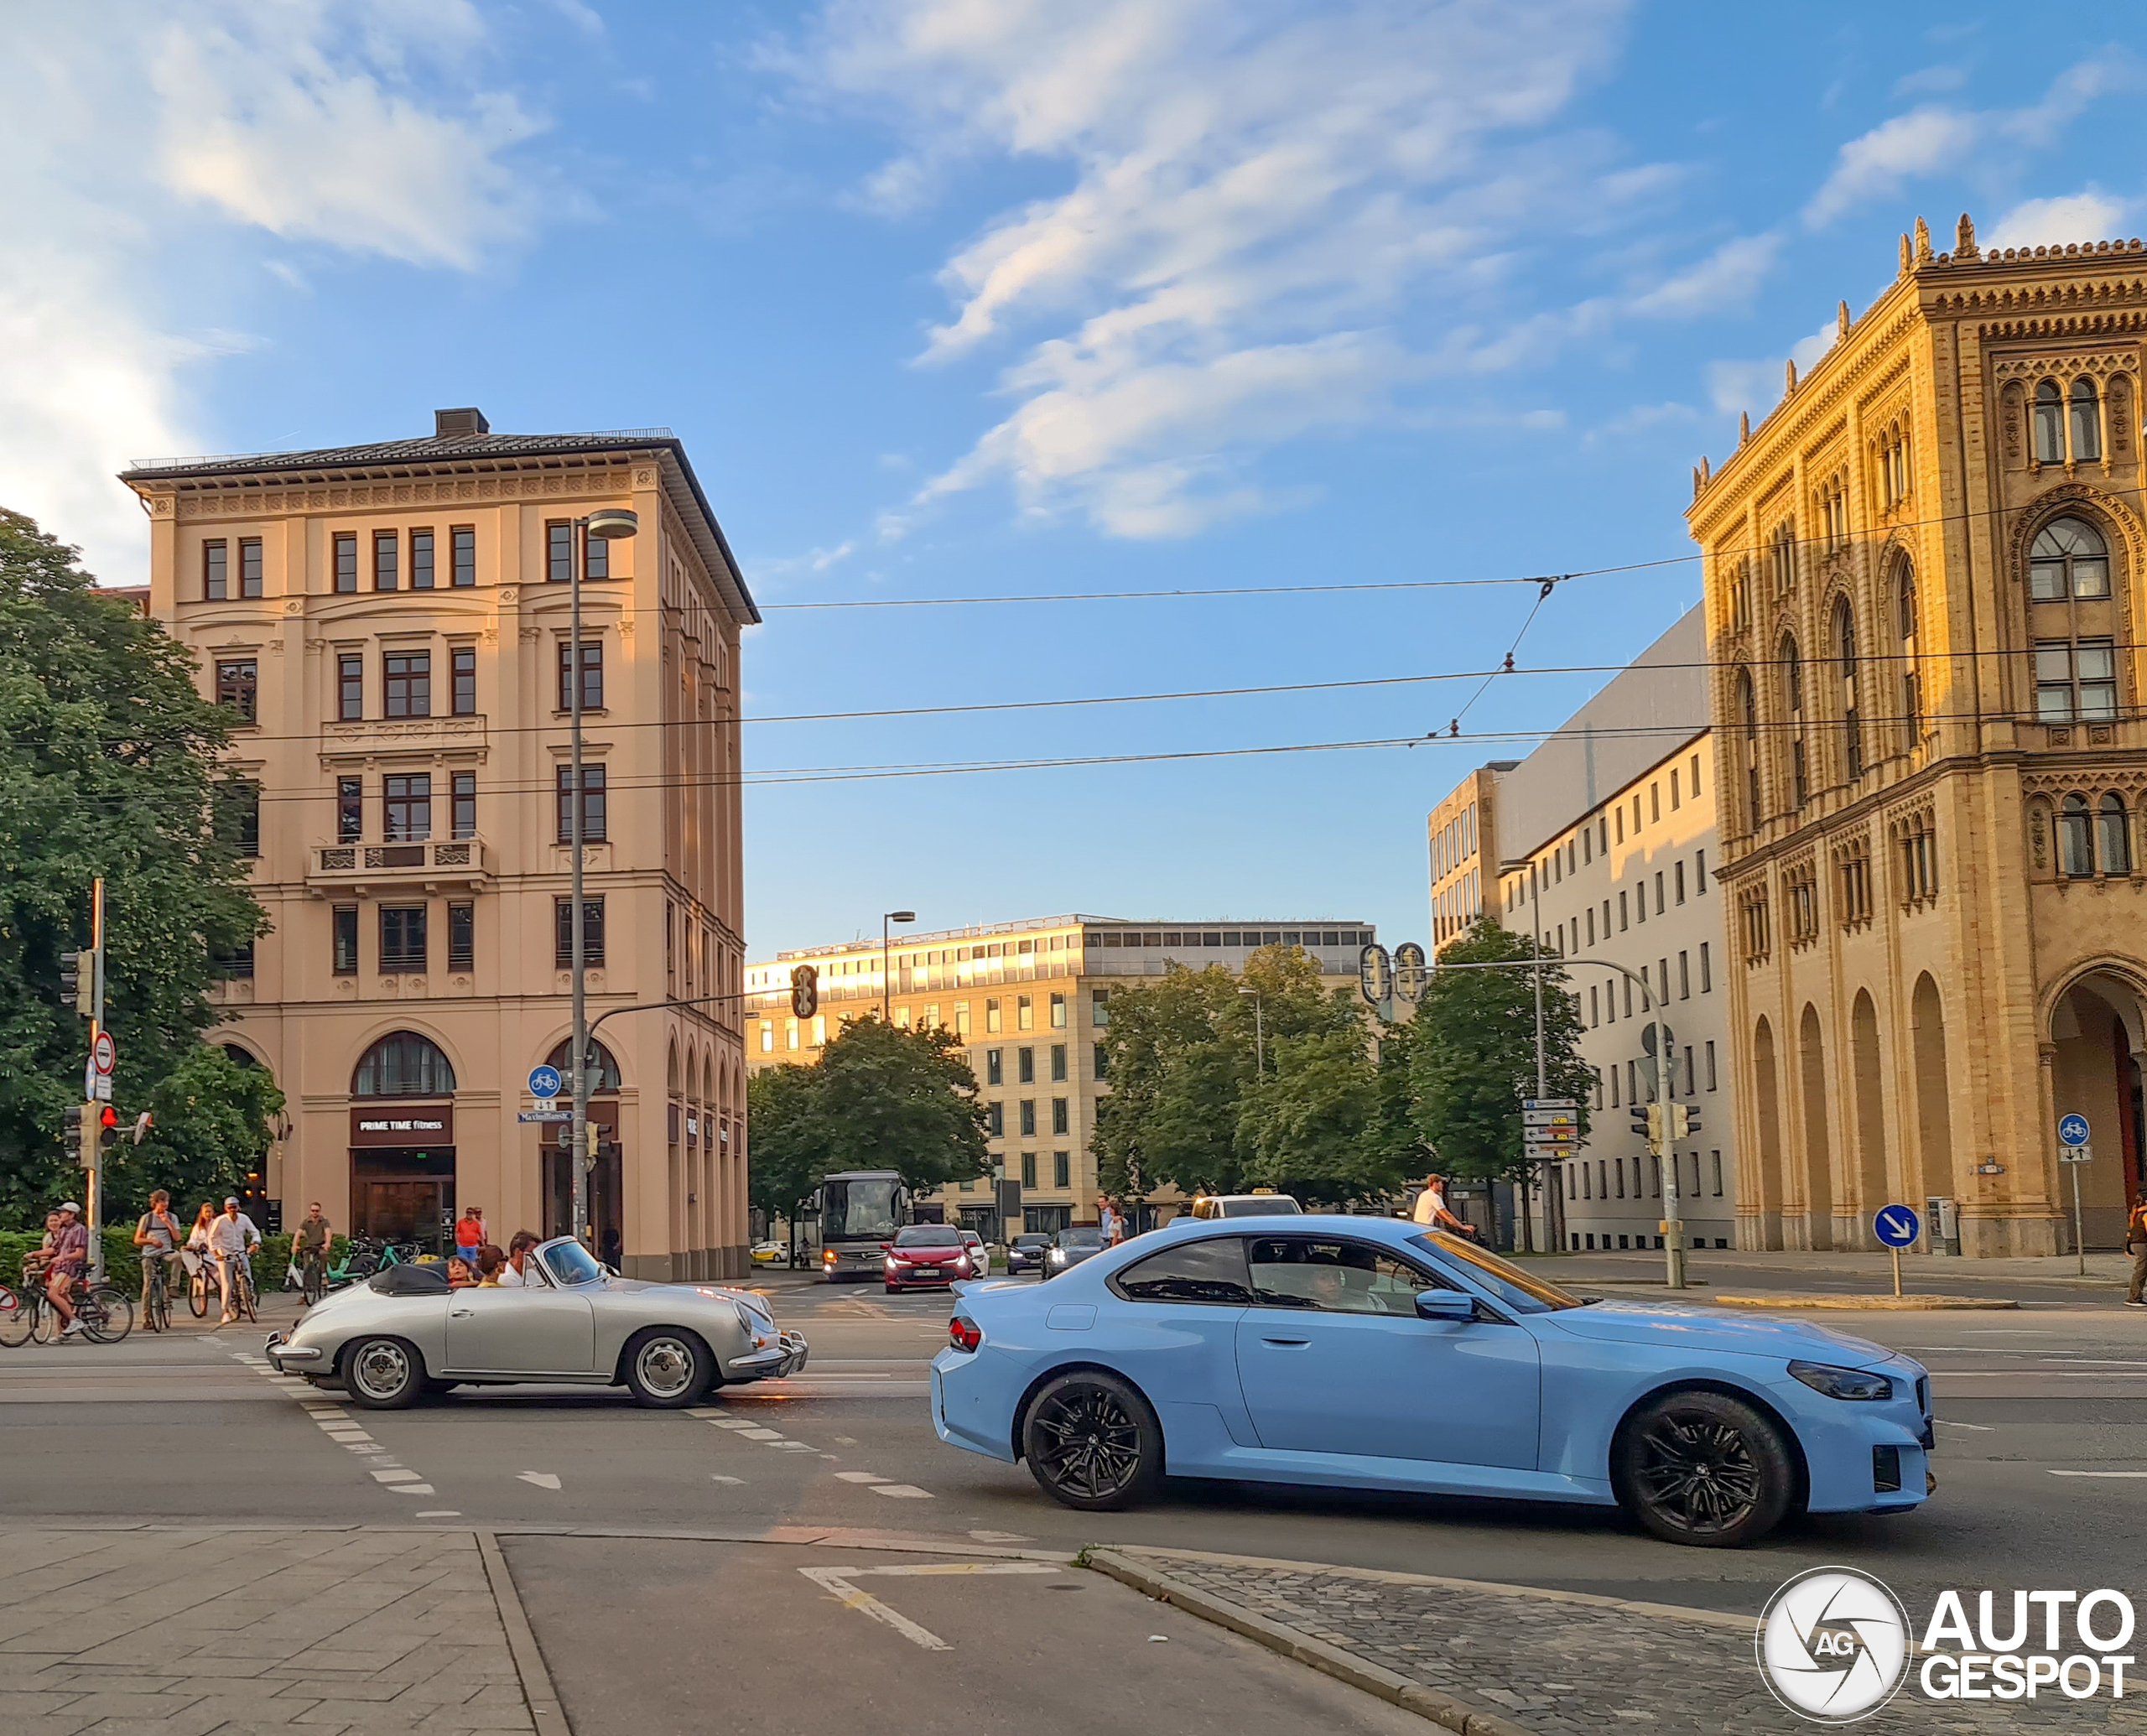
(424, 1126)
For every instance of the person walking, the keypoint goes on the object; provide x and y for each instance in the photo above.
(2136, 1245)
(1106, 1219)
(158, 1235)
(232, 1239)
(470, 1235)
(309, 1248)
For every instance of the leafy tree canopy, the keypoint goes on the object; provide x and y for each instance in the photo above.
(108, 767)
(878, 1098)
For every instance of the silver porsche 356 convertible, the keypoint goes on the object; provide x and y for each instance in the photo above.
(402, 1333)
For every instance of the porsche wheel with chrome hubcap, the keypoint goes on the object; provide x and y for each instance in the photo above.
(383, 1373)
(1704, 1469)
(667, 1368)
(1093, 1442)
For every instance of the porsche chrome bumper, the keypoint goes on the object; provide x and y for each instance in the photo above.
(786, 1356)
(306, 1356)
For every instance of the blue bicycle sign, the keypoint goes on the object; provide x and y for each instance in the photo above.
(545, 1082)
(2072, 1129)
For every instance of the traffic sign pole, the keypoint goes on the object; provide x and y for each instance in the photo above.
(99, 1085)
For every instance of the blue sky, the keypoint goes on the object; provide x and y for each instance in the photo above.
(963, 298)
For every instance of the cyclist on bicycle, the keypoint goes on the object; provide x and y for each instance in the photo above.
(310, 1248)
(158, 1236)
(69, 1259)
(234, 1241)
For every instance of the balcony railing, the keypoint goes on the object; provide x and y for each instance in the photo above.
(355, 864)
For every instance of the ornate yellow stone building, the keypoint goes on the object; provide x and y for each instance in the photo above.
(1920, 570)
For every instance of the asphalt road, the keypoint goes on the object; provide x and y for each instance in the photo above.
(2042, 1465)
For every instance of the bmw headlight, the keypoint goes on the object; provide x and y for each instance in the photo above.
(1842, 1383)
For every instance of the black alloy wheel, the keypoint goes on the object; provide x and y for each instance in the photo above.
(1093, 1442)
(1704, 1469)
(383, 1373)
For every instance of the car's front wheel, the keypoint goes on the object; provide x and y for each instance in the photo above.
(1093, 1442)
(383, 1373)
(1704, 1469)
(668, 1370)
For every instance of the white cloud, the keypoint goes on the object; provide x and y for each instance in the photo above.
(1725, 279)
(1931, 81)
(1925, 141)
(1757, 387)
(289, 108)
(2086, 215)
(1250, 195)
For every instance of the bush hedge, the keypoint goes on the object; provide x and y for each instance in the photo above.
(123, 1264)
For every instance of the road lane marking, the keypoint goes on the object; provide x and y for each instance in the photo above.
(2099, 1473)
(1001, 1537)
(735, 1482)
(902, 1491)
(542, 1479)
(397, 1476)
(837, 1584)
(1981, 1428)
(867, 1477)
(438, 1513)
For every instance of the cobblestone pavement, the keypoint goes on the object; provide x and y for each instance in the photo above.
(1563, 1664)
(229, 1632)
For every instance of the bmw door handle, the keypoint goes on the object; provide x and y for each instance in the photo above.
(1298, 1343)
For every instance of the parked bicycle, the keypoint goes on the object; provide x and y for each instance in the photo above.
(105, 1311)
(365, 1256)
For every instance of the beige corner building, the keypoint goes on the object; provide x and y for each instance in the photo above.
(1922, 574)
(389, 623)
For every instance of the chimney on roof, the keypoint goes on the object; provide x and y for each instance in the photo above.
(470, 421)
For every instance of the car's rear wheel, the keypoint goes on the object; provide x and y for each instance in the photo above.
(667, 1368)
(1093, 1442)
(1704, 1469)
(383, 1373)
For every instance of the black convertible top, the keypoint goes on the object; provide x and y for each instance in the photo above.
(409, 1280)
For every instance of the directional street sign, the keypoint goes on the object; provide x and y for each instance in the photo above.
(1549, 1102)
(1896, 1226)
(2072, 1129)
(104, 1052)
(545, 1082)
(2076, 1154)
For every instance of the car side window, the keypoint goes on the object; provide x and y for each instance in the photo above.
(1210, 1270)
(1333, 1277)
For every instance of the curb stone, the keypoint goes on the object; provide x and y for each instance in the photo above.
(542, 1699)
(1868, 1304)
(1441, 1708)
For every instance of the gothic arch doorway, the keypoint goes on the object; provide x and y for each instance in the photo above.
(2098, 1041)
(1818, 1159)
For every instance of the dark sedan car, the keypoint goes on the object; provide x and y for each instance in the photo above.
(924, 1255)
(1029, 1252)
(1073, 1245)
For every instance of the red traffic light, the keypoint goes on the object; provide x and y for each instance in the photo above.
(109, 1117)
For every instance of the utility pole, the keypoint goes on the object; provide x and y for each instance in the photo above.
(1551, 1232)
(93, 1154)
(1259, 1032)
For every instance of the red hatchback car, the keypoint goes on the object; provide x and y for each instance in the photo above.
(928, 1256)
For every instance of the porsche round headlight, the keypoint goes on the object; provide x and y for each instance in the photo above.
(1842, 1383)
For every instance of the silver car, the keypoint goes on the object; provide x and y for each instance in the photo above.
(404, 1332)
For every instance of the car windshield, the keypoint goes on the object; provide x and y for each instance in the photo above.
(1032, 1240)
(1086, 1235)
(1523, 1292)
(928, 1236)
(570, 1263)
(1263, 1205)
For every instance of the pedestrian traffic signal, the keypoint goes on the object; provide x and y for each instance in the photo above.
(78, 981)
(107, 1128)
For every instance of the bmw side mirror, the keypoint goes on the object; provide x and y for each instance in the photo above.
(1445, 1305)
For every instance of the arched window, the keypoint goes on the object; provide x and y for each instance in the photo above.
(2075, 840)
(1792, 682)
(2050, 423)
(1911, 689)
(2086, 422)
(2068, 558)
(608, 1069)
(1906, 599)
(2114, 835)
(404, 1064)
(1748, 710)
(1852, 719)
(1792, 674)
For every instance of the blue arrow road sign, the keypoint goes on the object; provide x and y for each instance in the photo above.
(2072, 1129)
(1896, 1226)
(545, 1082)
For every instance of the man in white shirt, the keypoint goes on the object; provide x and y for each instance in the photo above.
(231, 1238)
(1431, 1209)
(515, 1274)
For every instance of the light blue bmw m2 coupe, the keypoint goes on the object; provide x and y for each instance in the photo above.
(1362, 1352)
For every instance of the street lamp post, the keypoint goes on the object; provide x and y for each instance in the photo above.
(609, 524)
(1259, 1031)
(1542, 1076)
(886, 976)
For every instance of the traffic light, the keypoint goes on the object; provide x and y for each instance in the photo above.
(107, 1128)
(1655, 1120)
(1684, 1120)
(78, 981)
(82, 1137)
(142, 1123)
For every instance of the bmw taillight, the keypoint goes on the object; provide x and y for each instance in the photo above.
(964, 1333)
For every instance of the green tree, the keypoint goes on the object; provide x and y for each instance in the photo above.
(1175, 1078)
(878, 1098)
(1474, 1052)
(108, 767)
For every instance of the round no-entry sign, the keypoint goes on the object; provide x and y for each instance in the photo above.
(104, 1053)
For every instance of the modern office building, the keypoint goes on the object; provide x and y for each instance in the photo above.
(1922, 568)
(1031, 1001)
(389, 625)
(1608, 830)
(1462, 840)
